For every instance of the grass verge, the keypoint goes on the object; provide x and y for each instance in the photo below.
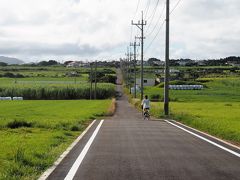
(220, 119)
(214, 110)
(34, 133)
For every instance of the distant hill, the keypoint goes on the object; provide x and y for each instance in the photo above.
(9, 60)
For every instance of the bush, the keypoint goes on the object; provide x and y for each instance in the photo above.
(75, 128)
(156, 97)
(18, 124)
(3, 64)
(109, 79)
(8, 74)
(11, 75)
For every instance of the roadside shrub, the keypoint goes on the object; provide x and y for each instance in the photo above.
(18, 124)
(204, 80)
(109, 79)
(11, 75)
(108, 71)
(156, 97)
(75, 128)
(8, 74)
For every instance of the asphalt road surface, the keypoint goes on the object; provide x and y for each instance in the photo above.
(125, 147)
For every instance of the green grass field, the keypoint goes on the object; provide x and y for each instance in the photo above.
(51, 71)
(214, 110)
(34, 133)
(52, 83)
(217, 118)
(216, 90)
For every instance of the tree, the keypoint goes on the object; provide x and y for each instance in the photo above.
(48, 63)
(3, 64)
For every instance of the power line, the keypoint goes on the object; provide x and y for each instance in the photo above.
(161, 25)
(155, 36)
(137, 8)
(147, 8)
(154, 11)
(138, 3)
(151, 17)
(176, 5)
(159, 18)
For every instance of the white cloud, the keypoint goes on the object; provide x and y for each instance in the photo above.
(203, 29)
(64, 29)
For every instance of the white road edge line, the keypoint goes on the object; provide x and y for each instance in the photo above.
(205, 139)
(208, 135)
(47, 173)
(81, 156)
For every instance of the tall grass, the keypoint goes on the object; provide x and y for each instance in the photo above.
(56, 91)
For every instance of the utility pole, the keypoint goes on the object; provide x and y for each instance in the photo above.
(134, 65)
(91, 78)
(126, 67)
(166, 82)
(141, 25)
(129, 68)
(95, 86)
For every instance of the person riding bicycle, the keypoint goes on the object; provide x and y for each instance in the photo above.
(145, 104)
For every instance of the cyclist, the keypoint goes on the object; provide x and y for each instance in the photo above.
(145, 105)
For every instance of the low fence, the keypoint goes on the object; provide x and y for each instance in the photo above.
(186, 87)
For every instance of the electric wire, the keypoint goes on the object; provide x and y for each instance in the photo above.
(162, 25)
(137, 9)
(151, 17)
(158, 21)
(147, 8)
(155, 36)
(176, 5)
(154, 11)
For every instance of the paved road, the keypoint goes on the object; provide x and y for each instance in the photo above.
(129, 148)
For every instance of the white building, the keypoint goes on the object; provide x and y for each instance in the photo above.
(174, 71)
(137, 89)
(146, 82)
(78, 64)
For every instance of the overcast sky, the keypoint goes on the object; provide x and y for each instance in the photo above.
(34, 30)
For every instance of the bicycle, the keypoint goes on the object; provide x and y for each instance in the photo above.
(146, 114)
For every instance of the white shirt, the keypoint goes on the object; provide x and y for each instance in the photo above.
(145, 103)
